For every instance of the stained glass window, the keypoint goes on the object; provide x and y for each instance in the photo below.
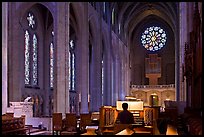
(113, 16)
(52, 62)
(154, 38)
(31, 20)
(102, 73)
(73, 71)
(102, 76)
(71, 66)
(27, 58)
(69, 73)
(35, 61)
(104, 7)
(31, 52)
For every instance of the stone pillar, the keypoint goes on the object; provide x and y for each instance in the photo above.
(4, 56)
(127, 70)
(95, 89)
(177, 64)
(116, 80)
(119, 83)
(113, 81)
(16, 66)
(183, 39)
(107, 78)
(61, 41)
(83, 67)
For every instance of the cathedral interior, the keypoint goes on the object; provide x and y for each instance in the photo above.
(63, 62)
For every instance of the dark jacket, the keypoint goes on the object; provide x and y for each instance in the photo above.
(126, 117)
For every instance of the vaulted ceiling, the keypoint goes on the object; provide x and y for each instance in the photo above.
(130, 14)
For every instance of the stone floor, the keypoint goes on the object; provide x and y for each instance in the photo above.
(171, 130)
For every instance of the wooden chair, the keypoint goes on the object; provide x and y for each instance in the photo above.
(85, 119)
(57, 122)
(70, 124)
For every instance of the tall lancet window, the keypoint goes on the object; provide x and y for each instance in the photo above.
(102, 78)
(27, 58)
(72, 72)
(31, 51)
(52, 62)
(113, 17)
(102, 74)
(35, 60)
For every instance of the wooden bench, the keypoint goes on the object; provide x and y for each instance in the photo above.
(13, 125)
(19, 131)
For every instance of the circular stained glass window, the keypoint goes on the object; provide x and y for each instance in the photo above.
(153, 38)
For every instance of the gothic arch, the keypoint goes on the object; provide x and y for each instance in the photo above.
(76, 10)
(25, 6)
(45, 23)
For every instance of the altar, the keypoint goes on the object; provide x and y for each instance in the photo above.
(21, 108)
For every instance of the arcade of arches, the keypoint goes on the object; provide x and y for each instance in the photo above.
(79, 56)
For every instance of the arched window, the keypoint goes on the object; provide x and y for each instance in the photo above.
(153, 38)
(31, 51)
(104, 11)
(52, 61)
(119, 28)
(102, 73)
(113, 16)
(104, 7)
(72, 82)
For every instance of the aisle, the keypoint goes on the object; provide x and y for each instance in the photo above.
(171, 130)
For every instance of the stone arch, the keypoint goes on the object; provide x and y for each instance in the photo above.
(44, 13)
(93, 28)
(25, 6)
(77, 10)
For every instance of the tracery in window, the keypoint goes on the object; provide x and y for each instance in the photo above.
(153, 38)
(31, 20)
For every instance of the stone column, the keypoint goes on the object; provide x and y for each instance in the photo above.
(14, 55)
(183, 39)
(4, 56)
(61, 41)
(116, 80)
(120, 78)
(107, 78)
(112, 82)
(83, 67)
(96, 74)
(95, 89)
(177, 64)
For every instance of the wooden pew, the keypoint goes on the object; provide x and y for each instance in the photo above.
(13, 125)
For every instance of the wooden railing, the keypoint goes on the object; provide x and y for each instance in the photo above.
(153, 86)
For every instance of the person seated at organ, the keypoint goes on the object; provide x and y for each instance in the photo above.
(125, 116)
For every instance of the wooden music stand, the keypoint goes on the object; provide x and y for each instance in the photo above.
(85, 120)
(70, 124)
(57, 122)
